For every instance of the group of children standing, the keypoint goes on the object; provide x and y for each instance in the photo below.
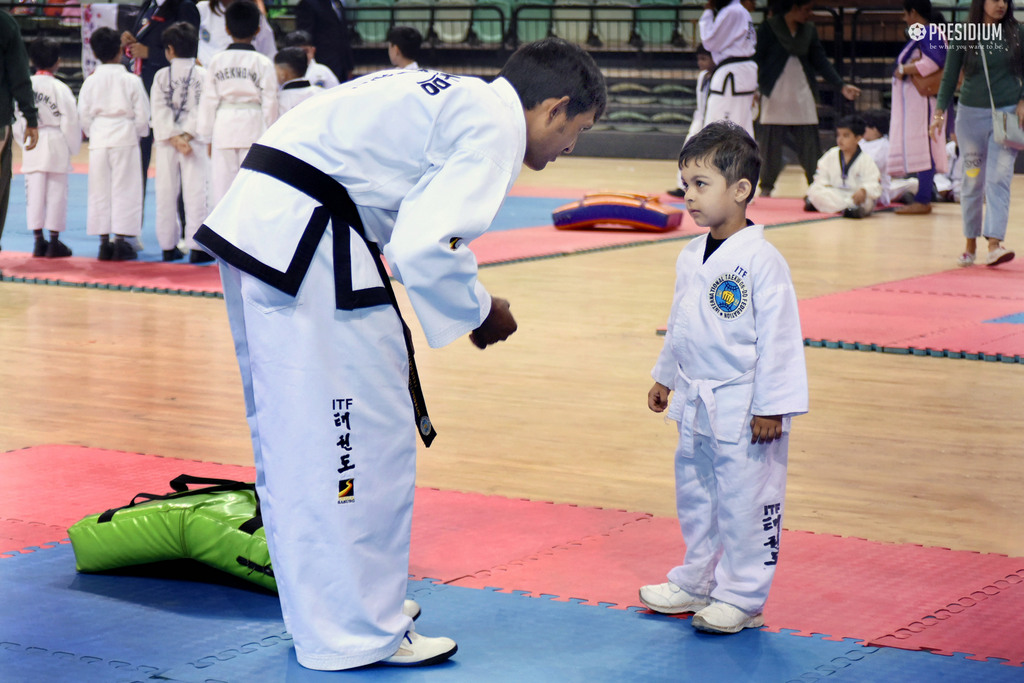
(204, 118)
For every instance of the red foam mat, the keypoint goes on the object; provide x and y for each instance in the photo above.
(944, 311)
(494, 247)
(904, 596)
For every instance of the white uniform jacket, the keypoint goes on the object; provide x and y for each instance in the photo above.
(730, 34)
(60, 135)
(862, 173)
(239, 99)
(294, 93)
(214, 37)
(113, 107)
(174, 99)
(733, 346)
(319, 74)
(426, 157)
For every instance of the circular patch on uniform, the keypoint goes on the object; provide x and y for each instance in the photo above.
(728, 296)
(204, 34)
(425, 425)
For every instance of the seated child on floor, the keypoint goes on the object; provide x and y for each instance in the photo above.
(876, 143)
(847, 180)
(947, 185)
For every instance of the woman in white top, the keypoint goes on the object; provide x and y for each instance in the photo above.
(213, 36)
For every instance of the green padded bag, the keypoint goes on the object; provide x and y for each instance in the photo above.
(219, 526)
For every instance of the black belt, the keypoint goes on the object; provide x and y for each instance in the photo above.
(337, 207)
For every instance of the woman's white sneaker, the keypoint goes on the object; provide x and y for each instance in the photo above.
(721, 617)
(668, 598)
(417, 650)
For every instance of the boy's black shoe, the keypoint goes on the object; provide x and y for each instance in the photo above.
(854, 212)
(57, 249)
(676, 192)
(199, 256)
(808, 207)
(123, 252)
(174, 254)
(106, 251)
(39, 250)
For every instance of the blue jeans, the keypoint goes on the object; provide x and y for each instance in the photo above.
(988, 171)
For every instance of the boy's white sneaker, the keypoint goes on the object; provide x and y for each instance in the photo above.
(669, 598)
(417, 650)
(721, 617)
(411, 609)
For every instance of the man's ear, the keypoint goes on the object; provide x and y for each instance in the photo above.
(557, 107)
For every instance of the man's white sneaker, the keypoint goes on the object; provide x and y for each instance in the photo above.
(411, 609)
(669, 598)
(721, 617)
(417, 650)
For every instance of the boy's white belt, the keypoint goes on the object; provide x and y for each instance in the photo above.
(700, 393)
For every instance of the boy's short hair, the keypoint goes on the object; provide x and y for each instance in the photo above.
(554, 67)
(105, 43)
(293, 58)
(183, 38)
(727, 147)
(242, 19)
(853, 123)
(44, 53)
(877, 118)
(298, 38)
(408, 41)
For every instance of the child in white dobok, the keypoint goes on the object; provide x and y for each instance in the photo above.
(47, 164)
(733, 356)
(180, 153)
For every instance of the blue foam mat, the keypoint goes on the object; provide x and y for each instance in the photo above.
(516, 212)
(60, 626)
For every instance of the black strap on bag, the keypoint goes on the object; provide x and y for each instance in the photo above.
(333, 196)
(180, 487)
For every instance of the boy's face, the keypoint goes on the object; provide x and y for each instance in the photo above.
(284, 74)
(847, 141)
(704, 62)
(871, 133)
(169, 53)
(550, 132)
(710, 199)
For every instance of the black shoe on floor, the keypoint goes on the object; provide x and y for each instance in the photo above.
(854, 212)
(57, 249)
(106, 251)
(676, 192)
(808, 207)
(39, 250)
(199, 256)
(123, 252)
(173, 254)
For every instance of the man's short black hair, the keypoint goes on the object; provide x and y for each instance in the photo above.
(408, 41)
(877, 118)
(182, 37)
(105, 44)
(242, 19)
(294, 58)
(298, 38)
(44, 53)
(853, 123)
(728, 148)
(554, 68)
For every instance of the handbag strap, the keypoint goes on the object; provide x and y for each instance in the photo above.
(984, 63)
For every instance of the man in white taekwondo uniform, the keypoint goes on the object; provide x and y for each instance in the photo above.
(727, 31)
(416, 163)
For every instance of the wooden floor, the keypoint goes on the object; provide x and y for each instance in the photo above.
(895, 448)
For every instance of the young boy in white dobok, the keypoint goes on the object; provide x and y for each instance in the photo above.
(733, 356)
(291, 63)
(181, 160)
(47, 164)
(847, 180)
(239, 100)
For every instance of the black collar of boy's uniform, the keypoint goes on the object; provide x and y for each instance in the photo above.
(298, 83)
(241, 46)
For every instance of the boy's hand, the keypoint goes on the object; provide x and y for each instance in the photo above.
(497, 326)
(765, 429)
(859, 196)
(657, 397)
